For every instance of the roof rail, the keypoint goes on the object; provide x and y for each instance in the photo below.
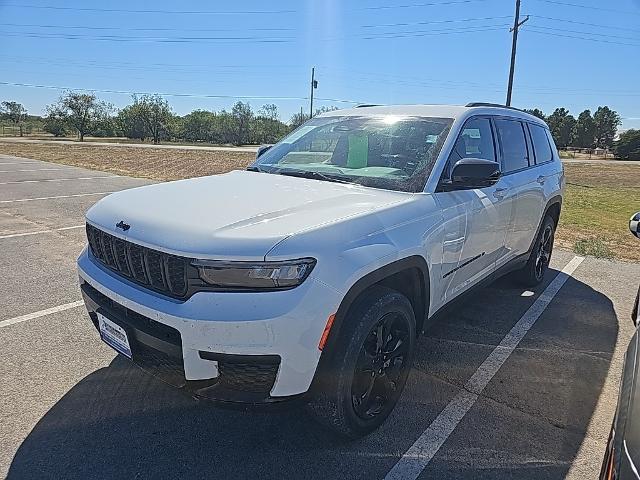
(363, 105)
(486, 104)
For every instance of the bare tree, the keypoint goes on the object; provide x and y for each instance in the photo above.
(15, 112)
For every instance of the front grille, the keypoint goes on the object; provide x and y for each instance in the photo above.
(156, 270)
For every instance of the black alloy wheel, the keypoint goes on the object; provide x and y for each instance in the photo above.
(380, 367)
(544, 248)
(370, 362)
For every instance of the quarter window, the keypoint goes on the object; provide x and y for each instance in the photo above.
(514, 145)
(540, 144)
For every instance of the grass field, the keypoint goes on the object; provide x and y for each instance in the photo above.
(599, 201)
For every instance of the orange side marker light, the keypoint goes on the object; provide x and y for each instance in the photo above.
(325, 333)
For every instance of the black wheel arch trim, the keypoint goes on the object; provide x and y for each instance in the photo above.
(360, 286)
(555, 200)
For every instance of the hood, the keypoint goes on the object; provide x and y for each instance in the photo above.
(239, 214)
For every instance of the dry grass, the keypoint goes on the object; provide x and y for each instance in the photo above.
(154, 163)
(599, 201)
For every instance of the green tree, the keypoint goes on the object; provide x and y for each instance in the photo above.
(55, 122)
(585, 130)
(606, 124)
(81, 111)
(242, 116)
(226, 126)
(561, 124)
(14, 112)
(130, 124)
(156, 114)
(199, 126)
(536, 112)
(628, 145)
(267, 127)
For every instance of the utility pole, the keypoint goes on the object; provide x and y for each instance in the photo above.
(516, 25)
(314, 85)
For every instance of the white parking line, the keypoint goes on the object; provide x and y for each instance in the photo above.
(416, 459)
(16, 163)
(31, 170)
(53, 198)
(56, 180)
(25, 234)
(41, 313)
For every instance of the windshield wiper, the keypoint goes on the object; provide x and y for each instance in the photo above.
(255, 168)
(311, 174)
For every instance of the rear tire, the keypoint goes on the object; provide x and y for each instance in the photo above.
(533, 272)
(371, 363)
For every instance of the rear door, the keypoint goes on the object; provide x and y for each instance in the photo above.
(548, 170)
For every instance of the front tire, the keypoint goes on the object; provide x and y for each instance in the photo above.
(533, 272)
(371, 364)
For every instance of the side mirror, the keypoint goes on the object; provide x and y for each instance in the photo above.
(474, 173)
(262, 149)
(634, 224)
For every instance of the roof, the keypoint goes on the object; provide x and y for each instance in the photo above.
(438, 111)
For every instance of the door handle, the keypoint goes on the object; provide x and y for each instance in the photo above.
(499, 193)
(540, 180)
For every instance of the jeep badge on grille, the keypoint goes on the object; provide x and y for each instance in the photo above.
(123, 226)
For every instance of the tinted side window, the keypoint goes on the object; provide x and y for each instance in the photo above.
(540, 144)
(475, 141)
(514, 145)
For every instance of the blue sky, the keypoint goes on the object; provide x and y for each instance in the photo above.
(573, 53)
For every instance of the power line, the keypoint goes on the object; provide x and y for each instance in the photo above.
(147, 29)
(606, 35)
(189, 95)
(418, 5)
(426, 33)
(567, 4)
(531, 29)
(123, 38)
(248, 39)
(67, 61)
(171, 12)
(564, 20)
(408, 24)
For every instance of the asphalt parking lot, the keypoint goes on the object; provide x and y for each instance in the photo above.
(70, 408)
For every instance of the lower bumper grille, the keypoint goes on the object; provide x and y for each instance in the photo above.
(248, 377)
(157, 349)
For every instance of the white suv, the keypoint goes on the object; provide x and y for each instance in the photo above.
(309, 276)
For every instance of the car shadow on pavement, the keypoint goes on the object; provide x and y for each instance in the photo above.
(119, 422)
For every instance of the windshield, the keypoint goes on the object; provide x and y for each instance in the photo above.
(391, 152)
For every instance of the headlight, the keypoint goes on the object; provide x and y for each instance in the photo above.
(255, 275)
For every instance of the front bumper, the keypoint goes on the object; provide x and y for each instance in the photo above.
(251, 348)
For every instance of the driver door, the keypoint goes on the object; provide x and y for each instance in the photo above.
(475, 220)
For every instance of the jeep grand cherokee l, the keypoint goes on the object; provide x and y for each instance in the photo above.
(309, 275)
